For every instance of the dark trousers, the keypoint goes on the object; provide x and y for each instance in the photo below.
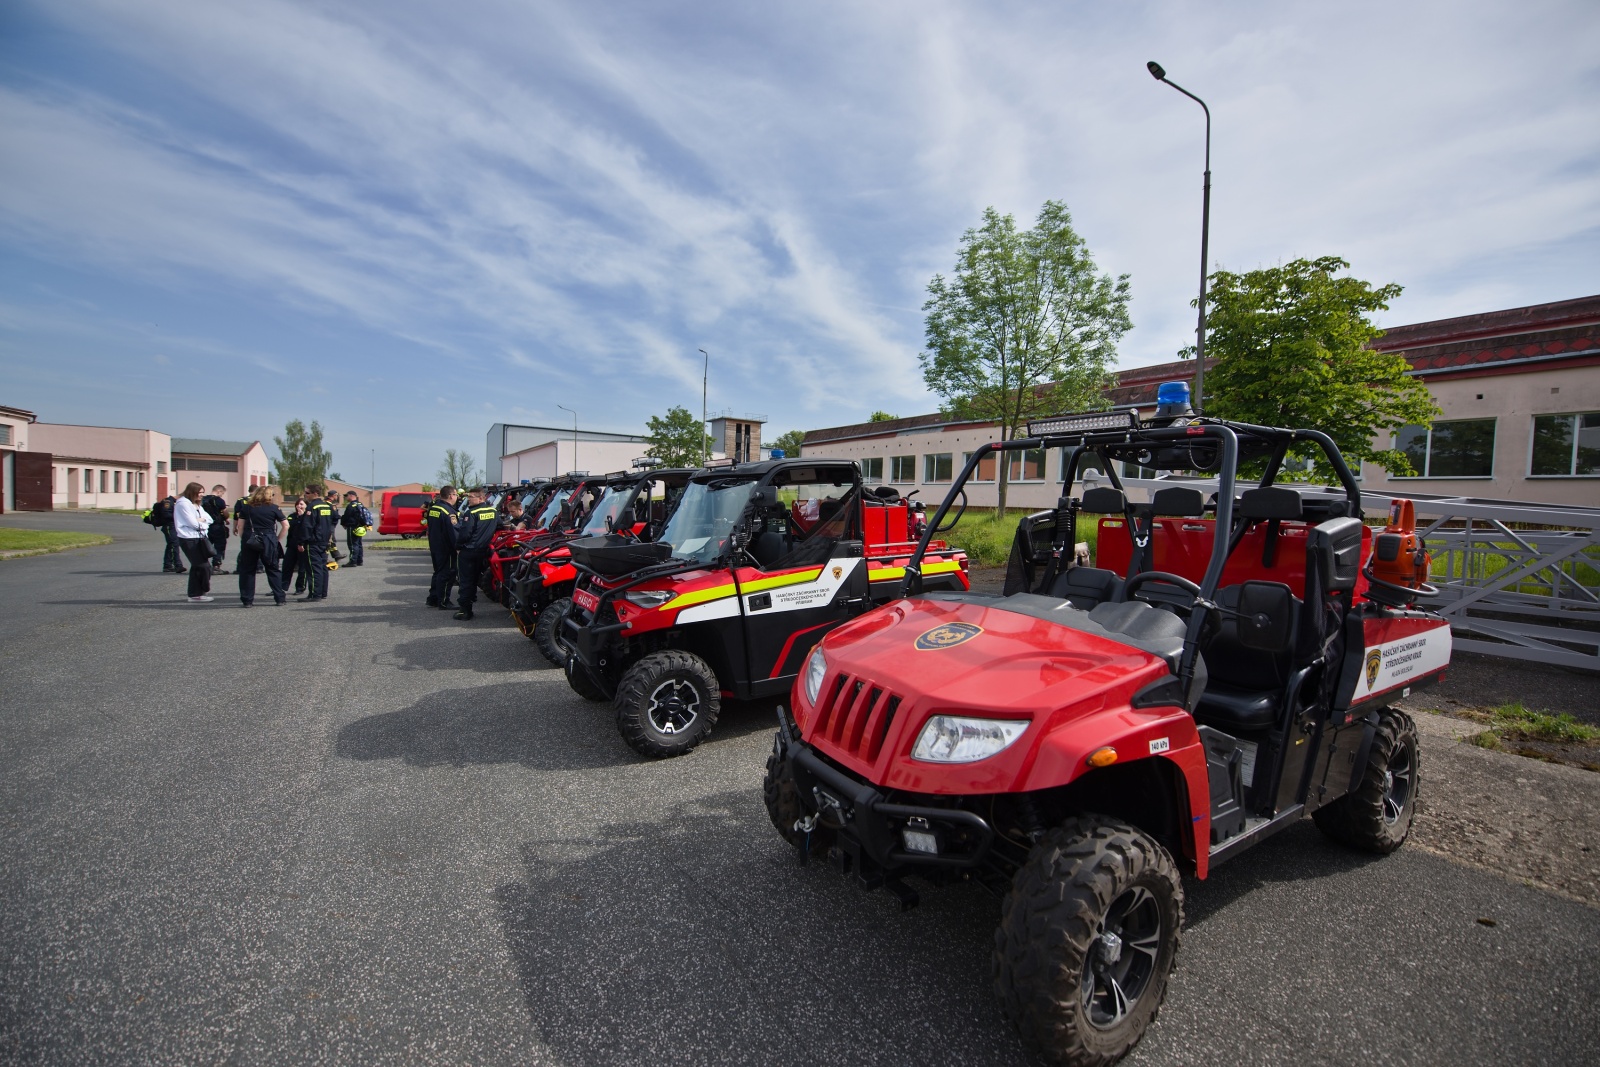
(218, 536)
(444, 575)
(317, 560)
(357, 553)
(172, 556)
(295, 570)
(198, 549)
(266, 555)
(470, 568)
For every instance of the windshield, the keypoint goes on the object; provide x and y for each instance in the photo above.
(706, 515)
(607, 510)
(552, 508)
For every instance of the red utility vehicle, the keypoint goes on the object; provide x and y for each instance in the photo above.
(401, 513)
(560, 509)
(1079, 741)
(757, 562)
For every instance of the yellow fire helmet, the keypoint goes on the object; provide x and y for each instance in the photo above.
(360, 531)
(333, 564)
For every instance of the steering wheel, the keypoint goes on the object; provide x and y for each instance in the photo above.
(1162, 576)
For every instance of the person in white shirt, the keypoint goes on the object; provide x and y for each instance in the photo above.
(191, 525)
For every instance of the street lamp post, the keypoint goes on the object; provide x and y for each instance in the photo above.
(1160, 75)
(564, 407)
(705, 376)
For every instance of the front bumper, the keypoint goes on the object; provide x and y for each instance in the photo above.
(871, 828)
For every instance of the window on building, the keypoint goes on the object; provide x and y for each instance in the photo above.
(88, 480)
(5, 433)
(116, 481)
(1566, 446)
(104, 480)
(936, 467)
(161, 466)
(190, 463)
(1026, 466)
(141, 481)
(986, 467)
(902, 468)
(1461, 448)
(872, 469)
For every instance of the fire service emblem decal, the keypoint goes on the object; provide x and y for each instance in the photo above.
(1374, 658)
(838, 572)
(947, 635)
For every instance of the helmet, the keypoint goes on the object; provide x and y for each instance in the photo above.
(333, 564)
(360, 531)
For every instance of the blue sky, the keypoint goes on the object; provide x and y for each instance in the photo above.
(411, 220)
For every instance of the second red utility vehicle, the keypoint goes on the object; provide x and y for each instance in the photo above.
(757, 562)
(1079, 742)
(401, 513)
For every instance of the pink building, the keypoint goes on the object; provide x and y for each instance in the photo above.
(238, 465)
(104, 466)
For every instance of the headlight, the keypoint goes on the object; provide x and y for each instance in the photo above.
(952, 739)
(648, 598)
(816, 667)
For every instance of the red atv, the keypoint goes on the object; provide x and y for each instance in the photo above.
(563, 506)
(1080, 740)
(636, 504)
(757, 562)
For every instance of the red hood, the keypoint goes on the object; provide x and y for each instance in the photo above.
(993, 663)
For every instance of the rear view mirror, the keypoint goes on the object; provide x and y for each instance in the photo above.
(1265, 616)
(764, 496)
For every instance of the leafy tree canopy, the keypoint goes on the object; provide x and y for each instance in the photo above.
(882, 416)
(302, 460)
(679, 438)
(459, 469)
(790, 442)
(1024, 326)
(1291, 350)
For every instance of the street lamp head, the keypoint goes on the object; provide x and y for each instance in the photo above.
(1157, 71)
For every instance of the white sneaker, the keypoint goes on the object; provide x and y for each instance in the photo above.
(201, 599)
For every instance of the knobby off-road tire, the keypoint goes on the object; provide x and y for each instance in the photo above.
(667, 703)
(782, 796)
(548, 626)
(1076, 996)
(578, 678)
(1376, 815)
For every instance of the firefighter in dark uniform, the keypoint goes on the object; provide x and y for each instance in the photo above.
(315, 532)
(353, 519)
(216, 505)
(440, 517)
(472, 539)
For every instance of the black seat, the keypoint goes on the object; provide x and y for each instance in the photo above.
(1178, 501)
(1087, 587)
(767, 548)
(1244, 685)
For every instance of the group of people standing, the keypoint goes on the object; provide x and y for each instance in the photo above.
(458, 540)
(197, 527)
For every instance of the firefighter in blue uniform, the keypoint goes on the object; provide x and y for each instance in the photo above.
(440, 517)
(472, 540)
(316, 532)
(354, 518)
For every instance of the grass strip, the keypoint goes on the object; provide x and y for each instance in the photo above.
(987, 540)
(34, 542)
(390, 546)
(1513, 723)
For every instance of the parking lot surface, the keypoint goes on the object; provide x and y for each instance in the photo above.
(360, 832)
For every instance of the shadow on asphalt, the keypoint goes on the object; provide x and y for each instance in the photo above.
(490, 724)
(648, 936)
(1298, 854)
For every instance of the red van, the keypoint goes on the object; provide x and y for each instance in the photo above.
(402, 514)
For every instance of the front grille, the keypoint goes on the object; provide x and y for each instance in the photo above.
(854, 717)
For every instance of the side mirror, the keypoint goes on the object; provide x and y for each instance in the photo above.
(1265, 616)
(764, 496)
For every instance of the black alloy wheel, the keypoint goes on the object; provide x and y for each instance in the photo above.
(1376, 815)
(547, 630)
(667, 703)
(1087, 940)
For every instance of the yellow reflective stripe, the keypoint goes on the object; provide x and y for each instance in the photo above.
(884, 574)
(717, 592)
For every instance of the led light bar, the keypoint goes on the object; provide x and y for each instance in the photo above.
(1091, 422)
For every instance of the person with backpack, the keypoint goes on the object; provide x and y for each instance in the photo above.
(216, 506)
(258, 524)
(355, 517)
(161, 516)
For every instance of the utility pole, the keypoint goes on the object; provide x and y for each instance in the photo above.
(1160, 75)
(564, 407)
(705, 376)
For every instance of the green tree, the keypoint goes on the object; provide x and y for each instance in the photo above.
(790, 442)
(1291, 344)
(301, 461)
(679, 438)
(459, 469)
(1024, 327)
(882, 416)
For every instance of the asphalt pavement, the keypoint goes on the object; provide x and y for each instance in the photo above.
(359, 832)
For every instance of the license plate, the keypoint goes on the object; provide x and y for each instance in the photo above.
(585, 599)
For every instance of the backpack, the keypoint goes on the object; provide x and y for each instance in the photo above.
(366, 516)
(149, 517)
